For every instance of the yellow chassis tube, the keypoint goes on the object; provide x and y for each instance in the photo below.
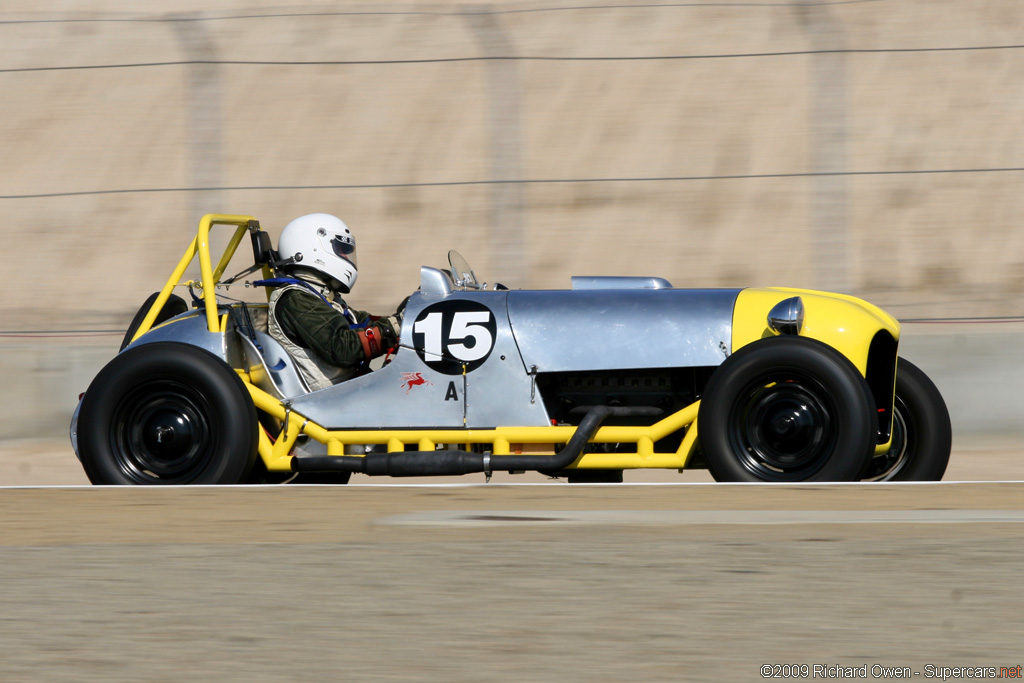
(276, 455)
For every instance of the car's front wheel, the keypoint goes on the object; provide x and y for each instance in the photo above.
(921, 433)
(787, 409)
(167, 413)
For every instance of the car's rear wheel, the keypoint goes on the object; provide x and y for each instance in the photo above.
(922, 436)
(167, 413)
(787, 409)
(174, 305)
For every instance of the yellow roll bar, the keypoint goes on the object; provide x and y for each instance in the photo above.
(208, 275)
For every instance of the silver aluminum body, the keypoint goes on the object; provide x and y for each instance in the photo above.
(594, 329)
(189, 328)
(497, 393)
(618, 282)
(600, 324)
(270, 367)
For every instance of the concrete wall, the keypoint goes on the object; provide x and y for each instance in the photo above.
(846, 146)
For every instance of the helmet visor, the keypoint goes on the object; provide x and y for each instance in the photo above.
(344, 246)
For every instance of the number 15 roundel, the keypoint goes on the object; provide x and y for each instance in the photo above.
(451, 334)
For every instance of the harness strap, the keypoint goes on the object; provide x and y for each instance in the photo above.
(281, 281)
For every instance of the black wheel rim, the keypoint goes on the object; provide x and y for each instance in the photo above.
(782, 428)
(886, 466)
(161, 433)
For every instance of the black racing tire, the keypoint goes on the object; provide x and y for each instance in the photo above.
(787, 409)
(922, 436)
(174, 305)
(167, 413)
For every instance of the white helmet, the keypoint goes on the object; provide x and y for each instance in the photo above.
(322, 243)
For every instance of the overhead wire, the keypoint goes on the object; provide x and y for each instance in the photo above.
(509, 58)
(513, 181)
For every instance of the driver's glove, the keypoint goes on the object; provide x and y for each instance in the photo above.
(379, 337)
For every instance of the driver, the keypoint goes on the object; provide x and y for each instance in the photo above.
(329, 341)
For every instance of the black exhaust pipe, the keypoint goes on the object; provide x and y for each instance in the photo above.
(453, 463)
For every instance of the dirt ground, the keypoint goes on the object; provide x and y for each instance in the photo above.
(504, 583)
(508, 583)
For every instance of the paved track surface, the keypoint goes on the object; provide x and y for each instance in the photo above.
(556, 582)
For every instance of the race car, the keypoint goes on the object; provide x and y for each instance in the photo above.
(612, 374)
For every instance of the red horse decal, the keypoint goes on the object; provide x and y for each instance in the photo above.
(414, 379)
